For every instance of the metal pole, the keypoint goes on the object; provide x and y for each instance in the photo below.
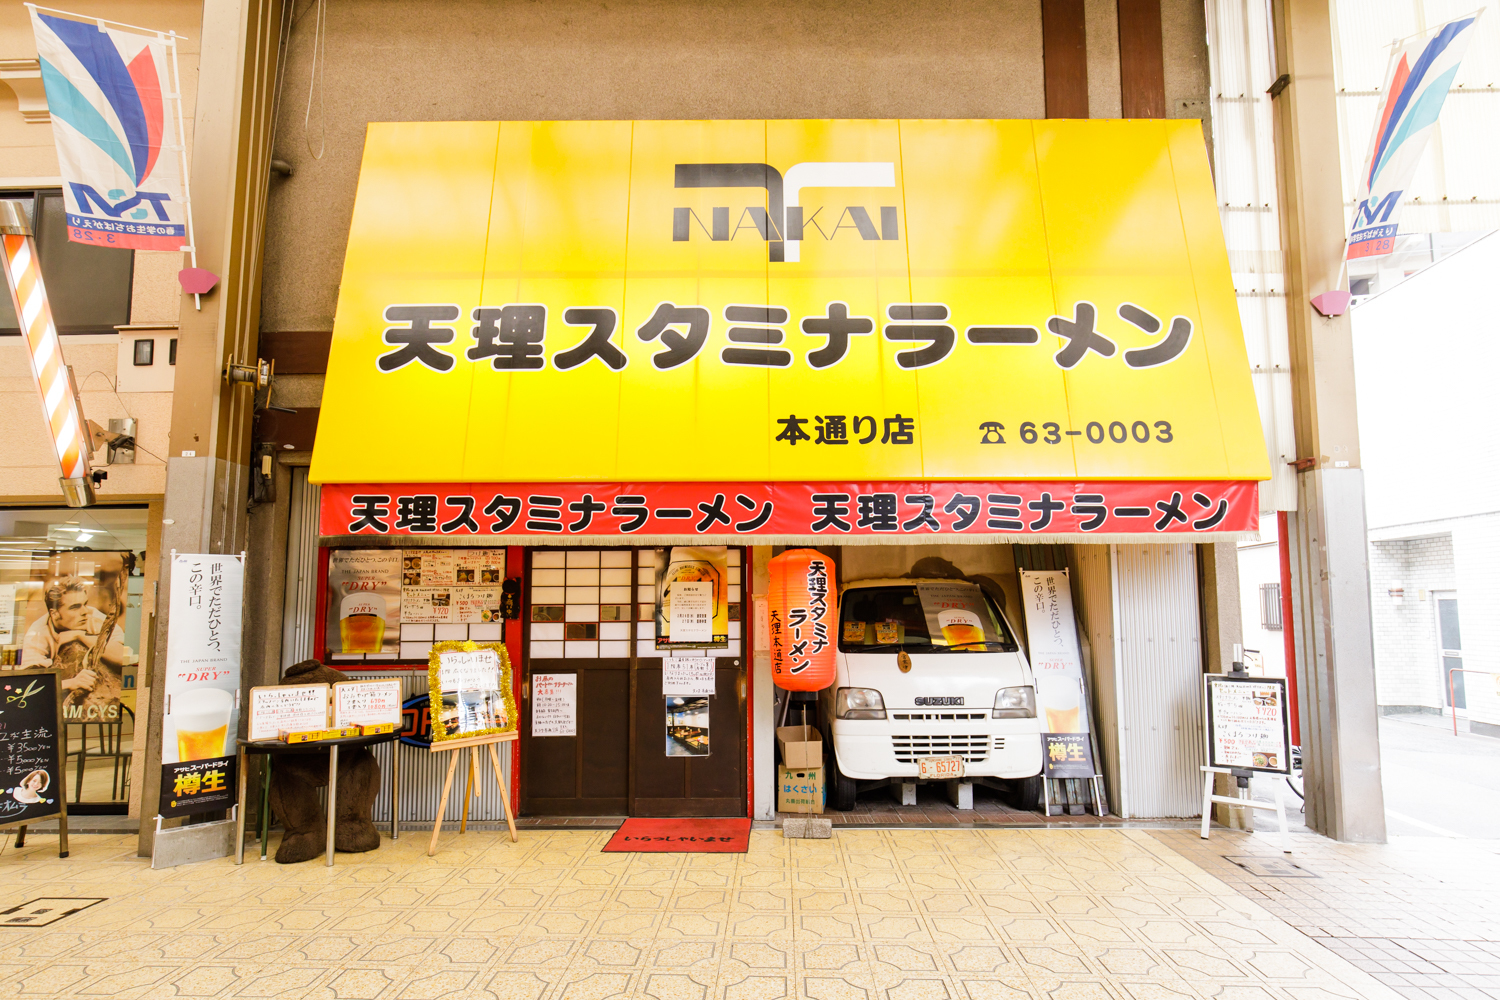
(187, 192)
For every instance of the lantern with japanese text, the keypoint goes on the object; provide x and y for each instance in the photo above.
(803, 610)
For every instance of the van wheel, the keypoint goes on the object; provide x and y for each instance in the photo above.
(1027, 793)
(841, 792)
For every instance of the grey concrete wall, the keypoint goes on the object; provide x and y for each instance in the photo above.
(405, 60)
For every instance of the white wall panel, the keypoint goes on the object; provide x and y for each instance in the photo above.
(1160, 676)
(299, 611)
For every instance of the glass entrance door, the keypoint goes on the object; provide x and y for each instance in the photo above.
(1450, 649)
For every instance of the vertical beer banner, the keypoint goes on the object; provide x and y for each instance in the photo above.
(202, 684)
(1057, 664)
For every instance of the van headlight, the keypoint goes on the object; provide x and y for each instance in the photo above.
(1015, 703)
(859, 703)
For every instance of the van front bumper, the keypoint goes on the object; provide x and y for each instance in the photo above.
(998, 748)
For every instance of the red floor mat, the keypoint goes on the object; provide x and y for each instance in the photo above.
(684, 835)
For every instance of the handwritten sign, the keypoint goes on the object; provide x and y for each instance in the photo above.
(292, 707)
(366, 703)
(31, 752)
(470, 690)
(687, 677)
(469, 671)
(554, 705)
(1247, 723)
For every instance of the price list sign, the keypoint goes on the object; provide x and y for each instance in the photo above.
(1247, 723)
(31, 755)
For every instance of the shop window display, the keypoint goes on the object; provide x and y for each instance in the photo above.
(70, 598)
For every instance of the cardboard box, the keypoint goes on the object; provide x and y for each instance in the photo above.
(800, 746)
(799, 789)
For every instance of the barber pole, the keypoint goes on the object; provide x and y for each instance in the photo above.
(54, 382)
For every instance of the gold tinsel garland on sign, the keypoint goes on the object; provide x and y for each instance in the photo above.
(435, 691)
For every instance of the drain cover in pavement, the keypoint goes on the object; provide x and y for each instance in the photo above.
(1270, 867)
(44, 911)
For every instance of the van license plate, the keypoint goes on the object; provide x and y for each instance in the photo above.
(940, 768)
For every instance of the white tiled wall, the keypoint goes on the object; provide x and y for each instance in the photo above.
(1406, 658)
(582, 580)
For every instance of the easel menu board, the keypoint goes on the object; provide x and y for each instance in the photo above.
(1247, 723)
(31, 753)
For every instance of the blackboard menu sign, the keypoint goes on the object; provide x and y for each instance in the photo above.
(31, 748)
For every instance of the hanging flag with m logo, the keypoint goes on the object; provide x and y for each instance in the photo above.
(118, 148)
(1416, 84)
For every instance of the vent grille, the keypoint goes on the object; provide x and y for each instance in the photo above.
(999, 744)
(972, 749)
(938, 716)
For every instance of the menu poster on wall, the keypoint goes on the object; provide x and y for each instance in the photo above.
(427, 604)
(451, 567)
(364, 606)
(472, 605)
(291, 708)
(1057, 666)
(554, 705)
(1247, 723)
(701, 621)
(366, 703)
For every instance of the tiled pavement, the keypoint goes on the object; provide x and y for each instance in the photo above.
(895, 915)
(1420, 914)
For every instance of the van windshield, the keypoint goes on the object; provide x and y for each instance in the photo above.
(940, 616)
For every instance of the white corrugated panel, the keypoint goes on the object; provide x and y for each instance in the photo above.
(422, 771)
(299, 614)
(1241, 68)
(1091, 564)
(1160, 676)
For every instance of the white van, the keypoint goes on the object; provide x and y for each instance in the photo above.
(929, 668)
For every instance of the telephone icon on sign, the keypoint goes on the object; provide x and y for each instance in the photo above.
(992, 433)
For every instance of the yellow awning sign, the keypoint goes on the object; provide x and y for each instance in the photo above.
(772, 301)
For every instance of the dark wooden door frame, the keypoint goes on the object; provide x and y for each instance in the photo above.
(741, 692)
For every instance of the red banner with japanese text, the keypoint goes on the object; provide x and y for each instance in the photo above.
(784, 510)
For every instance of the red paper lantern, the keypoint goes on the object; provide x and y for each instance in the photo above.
(803, 606)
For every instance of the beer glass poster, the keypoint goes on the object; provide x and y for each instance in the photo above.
(1247, 722)
(203, 658)
(692, 598)
(364, 600)
(1057, 664)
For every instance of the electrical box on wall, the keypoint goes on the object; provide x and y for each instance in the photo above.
(147, 359)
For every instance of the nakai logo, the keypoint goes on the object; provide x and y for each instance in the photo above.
(784, 223)
(1370, 215)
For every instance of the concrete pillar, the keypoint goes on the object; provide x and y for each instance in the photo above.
(207, 491)
(1330, 566)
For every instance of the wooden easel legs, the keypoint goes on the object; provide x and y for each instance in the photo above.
(437, 823)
